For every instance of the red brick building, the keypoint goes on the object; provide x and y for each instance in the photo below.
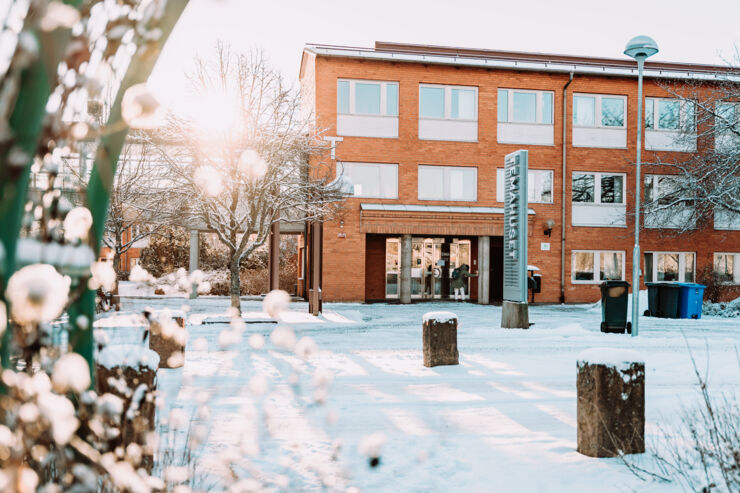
(424, 131)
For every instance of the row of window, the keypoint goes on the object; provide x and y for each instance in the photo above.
(593, 266)
(514, 105)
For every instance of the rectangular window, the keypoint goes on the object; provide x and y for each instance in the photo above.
(596, 266)
(448, 183)
(362, 97)
(610, 189)
(662, 189)
(596, 110)
(448, 102)
(584, 109)
(669, 114)
(372, 180)
(367, 98)
(525, 106)
(503, 105)
(343, 96)
(431, 102)
(539, 186)
(727, 267)
(583, 187)
(670, 266)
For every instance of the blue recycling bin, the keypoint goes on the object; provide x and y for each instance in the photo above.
(690, 299)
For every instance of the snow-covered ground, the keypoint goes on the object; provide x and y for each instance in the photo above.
(503, 420)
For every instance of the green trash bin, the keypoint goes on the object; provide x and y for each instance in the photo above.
(614, 298)
(668, 298)
(653, 299)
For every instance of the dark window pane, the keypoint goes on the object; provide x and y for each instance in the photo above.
(583, 188)
(611, 189)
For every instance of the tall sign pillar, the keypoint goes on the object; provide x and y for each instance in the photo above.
(514, 311)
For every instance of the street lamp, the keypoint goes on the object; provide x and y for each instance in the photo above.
(639, 48)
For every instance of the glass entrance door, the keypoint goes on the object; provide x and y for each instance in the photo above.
(392, 267)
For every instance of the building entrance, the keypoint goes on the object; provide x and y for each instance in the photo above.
(433, 261)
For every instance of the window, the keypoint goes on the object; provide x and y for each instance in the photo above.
(594, 110)
(727, 126)
(727, 267)
(524, 106)
(360, 97)
(448, 183)
(662, 189)
(539, 186)
(448, 102)
(598, 188)
(596, 266)
(374, 180)
(669, 114)
(669, 266)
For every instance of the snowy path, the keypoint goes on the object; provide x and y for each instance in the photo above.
(503, 420)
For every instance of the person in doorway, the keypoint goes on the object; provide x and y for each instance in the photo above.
(428, 280)
(459, 281)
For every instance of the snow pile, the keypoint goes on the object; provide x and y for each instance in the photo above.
(728, 309)
(440, 317)
(618, 358)
(131, 355)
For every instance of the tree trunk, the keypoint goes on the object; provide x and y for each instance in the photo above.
(235, 285)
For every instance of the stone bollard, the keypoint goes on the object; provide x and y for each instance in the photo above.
(129, 373)
(611, 402)
(167, 336)
(439, 336)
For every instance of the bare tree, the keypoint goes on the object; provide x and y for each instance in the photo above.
(703, 185)
(140, 197)
(248, 158)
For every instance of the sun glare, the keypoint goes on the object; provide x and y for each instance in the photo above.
(216, 114)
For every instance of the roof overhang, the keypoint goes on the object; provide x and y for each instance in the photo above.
(393, 52)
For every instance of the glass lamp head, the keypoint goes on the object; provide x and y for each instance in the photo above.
(641, 47)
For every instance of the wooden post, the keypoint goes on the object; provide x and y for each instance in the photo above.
(439, 338)
(194, 259)
(168, 337)
(611, 402)
(274, 257)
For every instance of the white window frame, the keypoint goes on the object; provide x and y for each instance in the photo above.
(736, 267)
(539, 105)
(597, 265)
(340, 171)
(681, 265)
(530, 179)
(446, 183)
(383, 97)
(448, 102)
(597, 110)
(682, 115)
(597, 188)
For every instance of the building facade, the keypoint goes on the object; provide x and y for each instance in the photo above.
(422, 133)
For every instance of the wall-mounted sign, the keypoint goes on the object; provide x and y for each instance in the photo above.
(545, 247)
(341, 235)
(515, 226)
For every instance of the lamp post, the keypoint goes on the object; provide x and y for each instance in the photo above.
(639, 48)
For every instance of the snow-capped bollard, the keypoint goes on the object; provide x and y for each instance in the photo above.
(167, 336)
(129, 372)
(439, 335)
(611, 402)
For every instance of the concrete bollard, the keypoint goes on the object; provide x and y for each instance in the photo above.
(168, 337)
(611, 402)
(439, 336)
(129, 372)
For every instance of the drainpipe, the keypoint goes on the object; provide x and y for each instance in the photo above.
(562, 215)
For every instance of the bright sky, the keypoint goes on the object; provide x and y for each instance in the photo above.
(700, 31)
